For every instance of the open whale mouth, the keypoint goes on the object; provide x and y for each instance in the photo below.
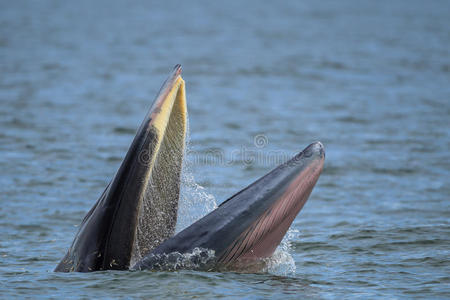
(138, 209)
(133, 222)
(249, 225)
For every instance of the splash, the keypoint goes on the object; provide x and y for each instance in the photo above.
(195, 202)
(198, 259)
(281, 262)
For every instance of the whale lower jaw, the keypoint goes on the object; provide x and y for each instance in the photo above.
(249, 226)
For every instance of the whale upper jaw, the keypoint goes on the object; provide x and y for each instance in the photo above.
(138, 209)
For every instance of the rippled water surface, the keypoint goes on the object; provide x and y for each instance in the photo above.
(370, 79)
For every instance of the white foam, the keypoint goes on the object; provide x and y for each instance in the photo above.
(198, 259)
(281, 262)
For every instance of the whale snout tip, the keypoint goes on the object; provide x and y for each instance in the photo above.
(319, 148)
(178, 69)
(315, 149)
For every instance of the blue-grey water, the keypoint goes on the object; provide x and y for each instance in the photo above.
(370, 79)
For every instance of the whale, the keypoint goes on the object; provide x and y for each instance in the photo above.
(132, 224)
